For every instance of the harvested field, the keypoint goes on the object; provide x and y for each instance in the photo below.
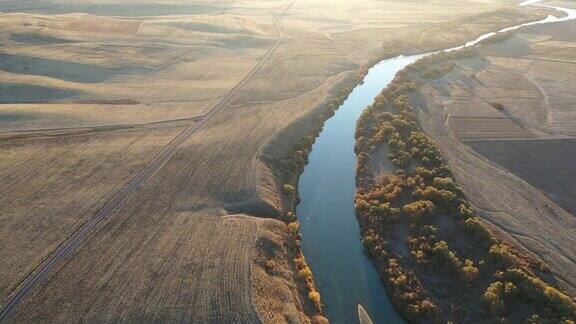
(213, 281)
(51, 186)
(407, 35)
(213, 285)
(549, 165)
(41, 117)
(163, 65)
(93, 90)
(62, 70)
(514, 163)
(124, 8)
(38, 39)
(15, 93)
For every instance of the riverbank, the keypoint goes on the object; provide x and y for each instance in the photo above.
(522, 150)
(314, 237)
(421, 230)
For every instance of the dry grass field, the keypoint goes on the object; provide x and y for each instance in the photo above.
(92, 91)
(45, 197)
(546, 164)
(515, 163)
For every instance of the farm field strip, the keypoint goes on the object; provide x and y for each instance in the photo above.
(92, 129)
(551, 169)
(39, 188)
(70, 244)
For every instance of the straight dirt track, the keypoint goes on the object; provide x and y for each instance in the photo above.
(75, 239)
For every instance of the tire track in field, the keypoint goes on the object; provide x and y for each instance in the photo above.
(32, 134)
(76, 238)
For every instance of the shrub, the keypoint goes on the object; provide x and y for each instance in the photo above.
(540, 295)
(413, 311)
(497, 105)
(314, 296)
(289, 189)
(294, 227)
(270, 265)
(428, 308)
(474, 227)
(300, 262)
(500, 255)
(465, 212)
(419, 209)
(424, 173)
(447, 184)
(442, 255)
(469, 271)
(493, 298)
(440, 197)
(305, 273)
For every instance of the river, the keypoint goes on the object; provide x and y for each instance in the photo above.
(330, 232)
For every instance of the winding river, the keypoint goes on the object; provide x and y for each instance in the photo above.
(331, 234)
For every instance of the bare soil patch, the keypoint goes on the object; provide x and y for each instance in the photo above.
(549, 165)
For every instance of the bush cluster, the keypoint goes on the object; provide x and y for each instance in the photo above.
(553, 305)
(420, 193)
(407, 293)
(437, 71)
(305, 273)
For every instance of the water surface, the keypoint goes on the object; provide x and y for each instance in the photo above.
(331, 234)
